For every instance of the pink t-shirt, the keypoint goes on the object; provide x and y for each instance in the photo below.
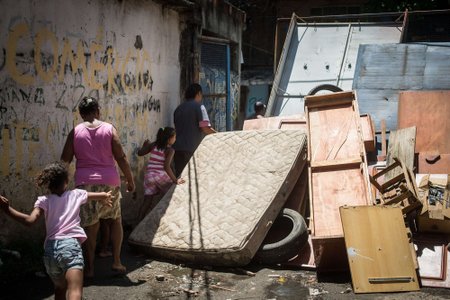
(93, 151)
(62, 214)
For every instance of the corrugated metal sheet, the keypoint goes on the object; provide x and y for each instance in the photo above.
(315, 54)
(382, 71)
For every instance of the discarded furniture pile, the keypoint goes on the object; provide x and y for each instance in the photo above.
(382, 220)
(314, 185)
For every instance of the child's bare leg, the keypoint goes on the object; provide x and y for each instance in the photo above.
(60, 288)
(89, 248)
(74, 278)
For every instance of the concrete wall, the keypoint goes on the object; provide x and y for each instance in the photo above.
(55, 52)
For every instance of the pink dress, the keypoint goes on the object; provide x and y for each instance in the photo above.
(156, 179)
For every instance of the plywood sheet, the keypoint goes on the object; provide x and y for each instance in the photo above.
(274, 122)
(401, 146)
(429, 112)
(332, 190)
(436, 165)
(378, 263)
(334, 133)
(337, 174)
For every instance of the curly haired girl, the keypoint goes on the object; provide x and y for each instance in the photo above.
(63, 257)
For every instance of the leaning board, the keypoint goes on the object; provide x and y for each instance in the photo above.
(236, 184)
(337, 172)
(378, 250)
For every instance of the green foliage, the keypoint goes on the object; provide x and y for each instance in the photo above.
(374, 6)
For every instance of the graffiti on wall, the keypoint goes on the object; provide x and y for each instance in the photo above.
(42, 80)
(213, 82)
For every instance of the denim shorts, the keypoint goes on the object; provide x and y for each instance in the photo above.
(62, 255)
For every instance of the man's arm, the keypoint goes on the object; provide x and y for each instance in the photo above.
(208, 130)
(122, 161)
(205, 124)
(68, 153)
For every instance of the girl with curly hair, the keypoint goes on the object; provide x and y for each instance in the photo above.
(63, 257)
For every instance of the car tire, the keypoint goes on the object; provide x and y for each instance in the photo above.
(289, 246)
(324, 87)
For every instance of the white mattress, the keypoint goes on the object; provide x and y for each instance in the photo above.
(236, 184)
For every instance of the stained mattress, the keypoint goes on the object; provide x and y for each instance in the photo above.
(236, 184)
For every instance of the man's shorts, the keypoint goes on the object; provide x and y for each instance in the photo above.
(62, 255)
(93, 211)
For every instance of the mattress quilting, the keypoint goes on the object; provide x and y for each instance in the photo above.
(236, 184)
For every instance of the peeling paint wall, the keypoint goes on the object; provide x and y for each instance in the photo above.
(52, 54)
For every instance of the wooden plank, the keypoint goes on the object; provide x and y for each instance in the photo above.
(338, 173)
(368, 132)
(340, 163)
(377, 263)
(382, 156)
(401, 146)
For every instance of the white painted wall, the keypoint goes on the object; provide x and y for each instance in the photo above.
(138, 87)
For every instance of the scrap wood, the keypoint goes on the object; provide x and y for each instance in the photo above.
(400, 190)
(222, 288)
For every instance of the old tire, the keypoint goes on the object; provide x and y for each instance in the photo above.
(324, 87)
(273, 252)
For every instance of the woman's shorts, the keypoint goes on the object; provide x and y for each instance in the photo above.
(62, 255)
(93, 211)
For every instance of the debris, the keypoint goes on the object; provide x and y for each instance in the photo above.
(282, 279)
(316, 292)
(160, 277)
(346, 291)
(274, 276)
(240, 270)
(222, 288)
(190, 292)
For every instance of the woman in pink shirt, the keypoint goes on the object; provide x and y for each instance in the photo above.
(96, 147)
(63, 258)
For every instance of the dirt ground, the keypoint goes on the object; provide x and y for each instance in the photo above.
(155, 279)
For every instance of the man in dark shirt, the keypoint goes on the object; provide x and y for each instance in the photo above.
(191, 124)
